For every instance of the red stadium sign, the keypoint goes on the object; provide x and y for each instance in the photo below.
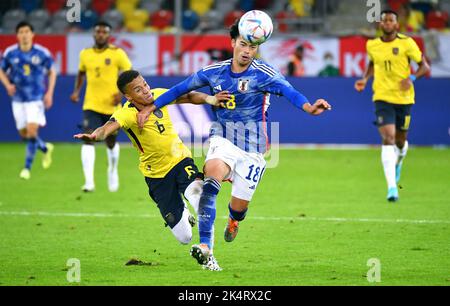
(197, 51)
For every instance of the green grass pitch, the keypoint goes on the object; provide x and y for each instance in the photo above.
(316, 219)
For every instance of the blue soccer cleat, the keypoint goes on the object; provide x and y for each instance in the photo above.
(398, 172)
(392, 195)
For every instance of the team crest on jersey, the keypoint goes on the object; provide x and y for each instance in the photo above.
(35, 60)
(158, 113)
(243, 85)
(396, 51)
(107, 61)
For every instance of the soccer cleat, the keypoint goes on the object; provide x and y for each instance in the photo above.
(392, 194)
(231, 230)
(398, 172)
(191, 220)
(47, 158)
(87, 188)
(25, 174)
(212, 264)
(113, 180)
(201, 253)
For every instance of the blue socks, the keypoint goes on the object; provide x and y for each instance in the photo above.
(31, 152)
(33, 144)
(207, 211)
(237, 215)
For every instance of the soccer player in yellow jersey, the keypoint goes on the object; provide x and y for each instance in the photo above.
(100, 65)
(165, 161)
(390, 57)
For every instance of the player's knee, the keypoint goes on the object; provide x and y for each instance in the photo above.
(183, 233)
(388, 139)
(216, 169)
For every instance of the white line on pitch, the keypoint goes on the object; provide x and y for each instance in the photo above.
(146, 216)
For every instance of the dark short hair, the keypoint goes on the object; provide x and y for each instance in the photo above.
(234, 30)
(24, 24)
(389, 12)
(102, 23)
(125, 78)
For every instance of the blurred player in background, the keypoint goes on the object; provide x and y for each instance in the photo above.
(100, 65)
(238, 138)
(24, 70)
(390, 57)
(165, 161)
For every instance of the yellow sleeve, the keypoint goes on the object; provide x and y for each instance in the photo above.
(82, 66)
(124, 61)
(122, 117)
(414, 52)
(369, 50)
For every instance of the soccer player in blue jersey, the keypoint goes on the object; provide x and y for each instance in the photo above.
(238, 138)
(23, 71)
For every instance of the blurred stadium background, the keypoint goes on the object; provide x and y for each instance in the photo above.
(169, 39)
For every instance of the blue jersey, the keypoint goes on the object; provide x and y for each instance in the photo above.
(27, 71)
(243, 121)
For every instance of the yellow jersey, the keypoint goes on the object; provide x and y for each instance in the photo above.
(159, 146)
(392, 65)
(102, 70)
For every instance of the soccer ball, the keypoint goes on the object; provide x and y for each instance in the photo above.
(255, 27)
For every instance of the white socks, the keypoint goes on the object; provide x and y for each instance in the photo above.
(88, 160)
(193, 193)
(389, 159)
(113, 161)
(401, 153)
(183, 230)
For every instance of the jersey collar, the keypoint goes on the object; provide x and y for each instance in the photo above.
(237, 75)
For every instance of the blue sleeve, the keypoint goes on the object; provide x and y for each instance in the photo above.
(278, 85)
(196, 80)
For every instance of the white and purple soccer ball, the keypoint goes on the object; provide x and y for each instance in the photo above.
(255, 27)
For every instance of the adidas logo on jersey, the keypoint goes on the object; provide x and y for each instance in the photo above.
(218, 87)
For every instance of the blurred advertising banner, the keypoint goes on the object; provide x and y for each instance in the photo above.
(56, 44)
(441, 65)
(141, 49)
(197, 52)
(154, 54)
(277, 52)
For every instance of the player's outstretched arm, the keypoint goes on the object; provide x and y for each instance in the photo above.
(195, 97)
(101, 133)
(360, 85)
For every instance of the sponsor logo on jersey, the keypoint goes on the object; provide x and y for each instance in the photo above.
(107, 61)
(218, 88)
(396, 51)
